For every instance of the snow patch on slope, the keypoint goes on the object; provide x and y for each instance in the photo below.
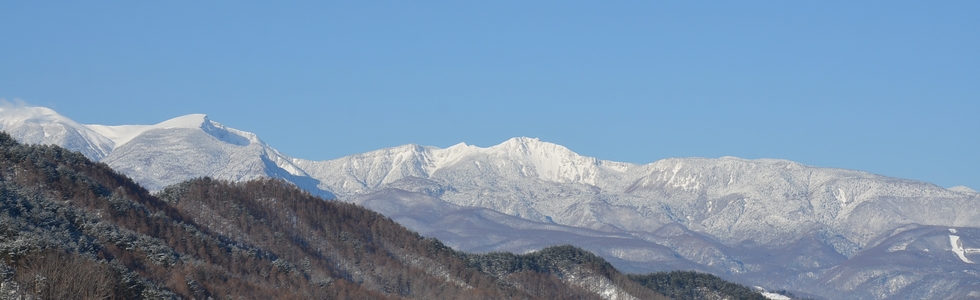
(958, 249)
(954, 242)
(775, 296)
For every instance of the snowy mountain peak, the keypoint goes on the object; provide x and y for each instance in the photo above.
(11, 114)
(522, 141)
(963, 189)
(187, 121)
(515, 159)
(122, 134)
(41, 125)
(529, 157)
(532, 146)
(547, 161)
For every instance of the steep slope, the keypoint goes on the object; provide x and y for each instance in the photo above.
(193, 146)
(187, 147)
(71, 228)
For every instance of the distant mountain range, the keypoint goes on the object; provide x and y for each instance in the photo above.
(71, 228)
(831, 233)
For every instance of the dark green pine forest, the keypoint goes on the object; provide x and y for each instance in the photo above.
(71, 228)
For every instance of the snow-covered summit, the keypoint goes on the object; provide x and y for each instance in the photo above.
(193, 146)
(11, 114)
(186, 121)
(41, 125)
(963, 189)
(515, 158)
(122, 134)
(160, 154)
(548, 161)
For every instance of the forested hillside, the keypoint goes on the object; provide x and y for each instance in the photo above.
(74, 229)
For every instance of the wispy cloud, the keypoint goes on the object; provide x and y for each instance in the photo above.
(14, 104)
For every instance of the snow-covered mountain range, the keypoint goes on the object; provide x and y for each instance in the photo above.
(773, 223)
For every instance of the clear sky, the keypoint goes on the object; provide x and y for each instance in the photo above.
(890, 87)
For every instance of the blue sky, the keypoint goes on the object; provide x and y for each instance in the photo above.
(891, 88)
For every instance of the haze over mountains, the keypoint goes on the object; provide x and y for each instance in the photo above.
(779, 224)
